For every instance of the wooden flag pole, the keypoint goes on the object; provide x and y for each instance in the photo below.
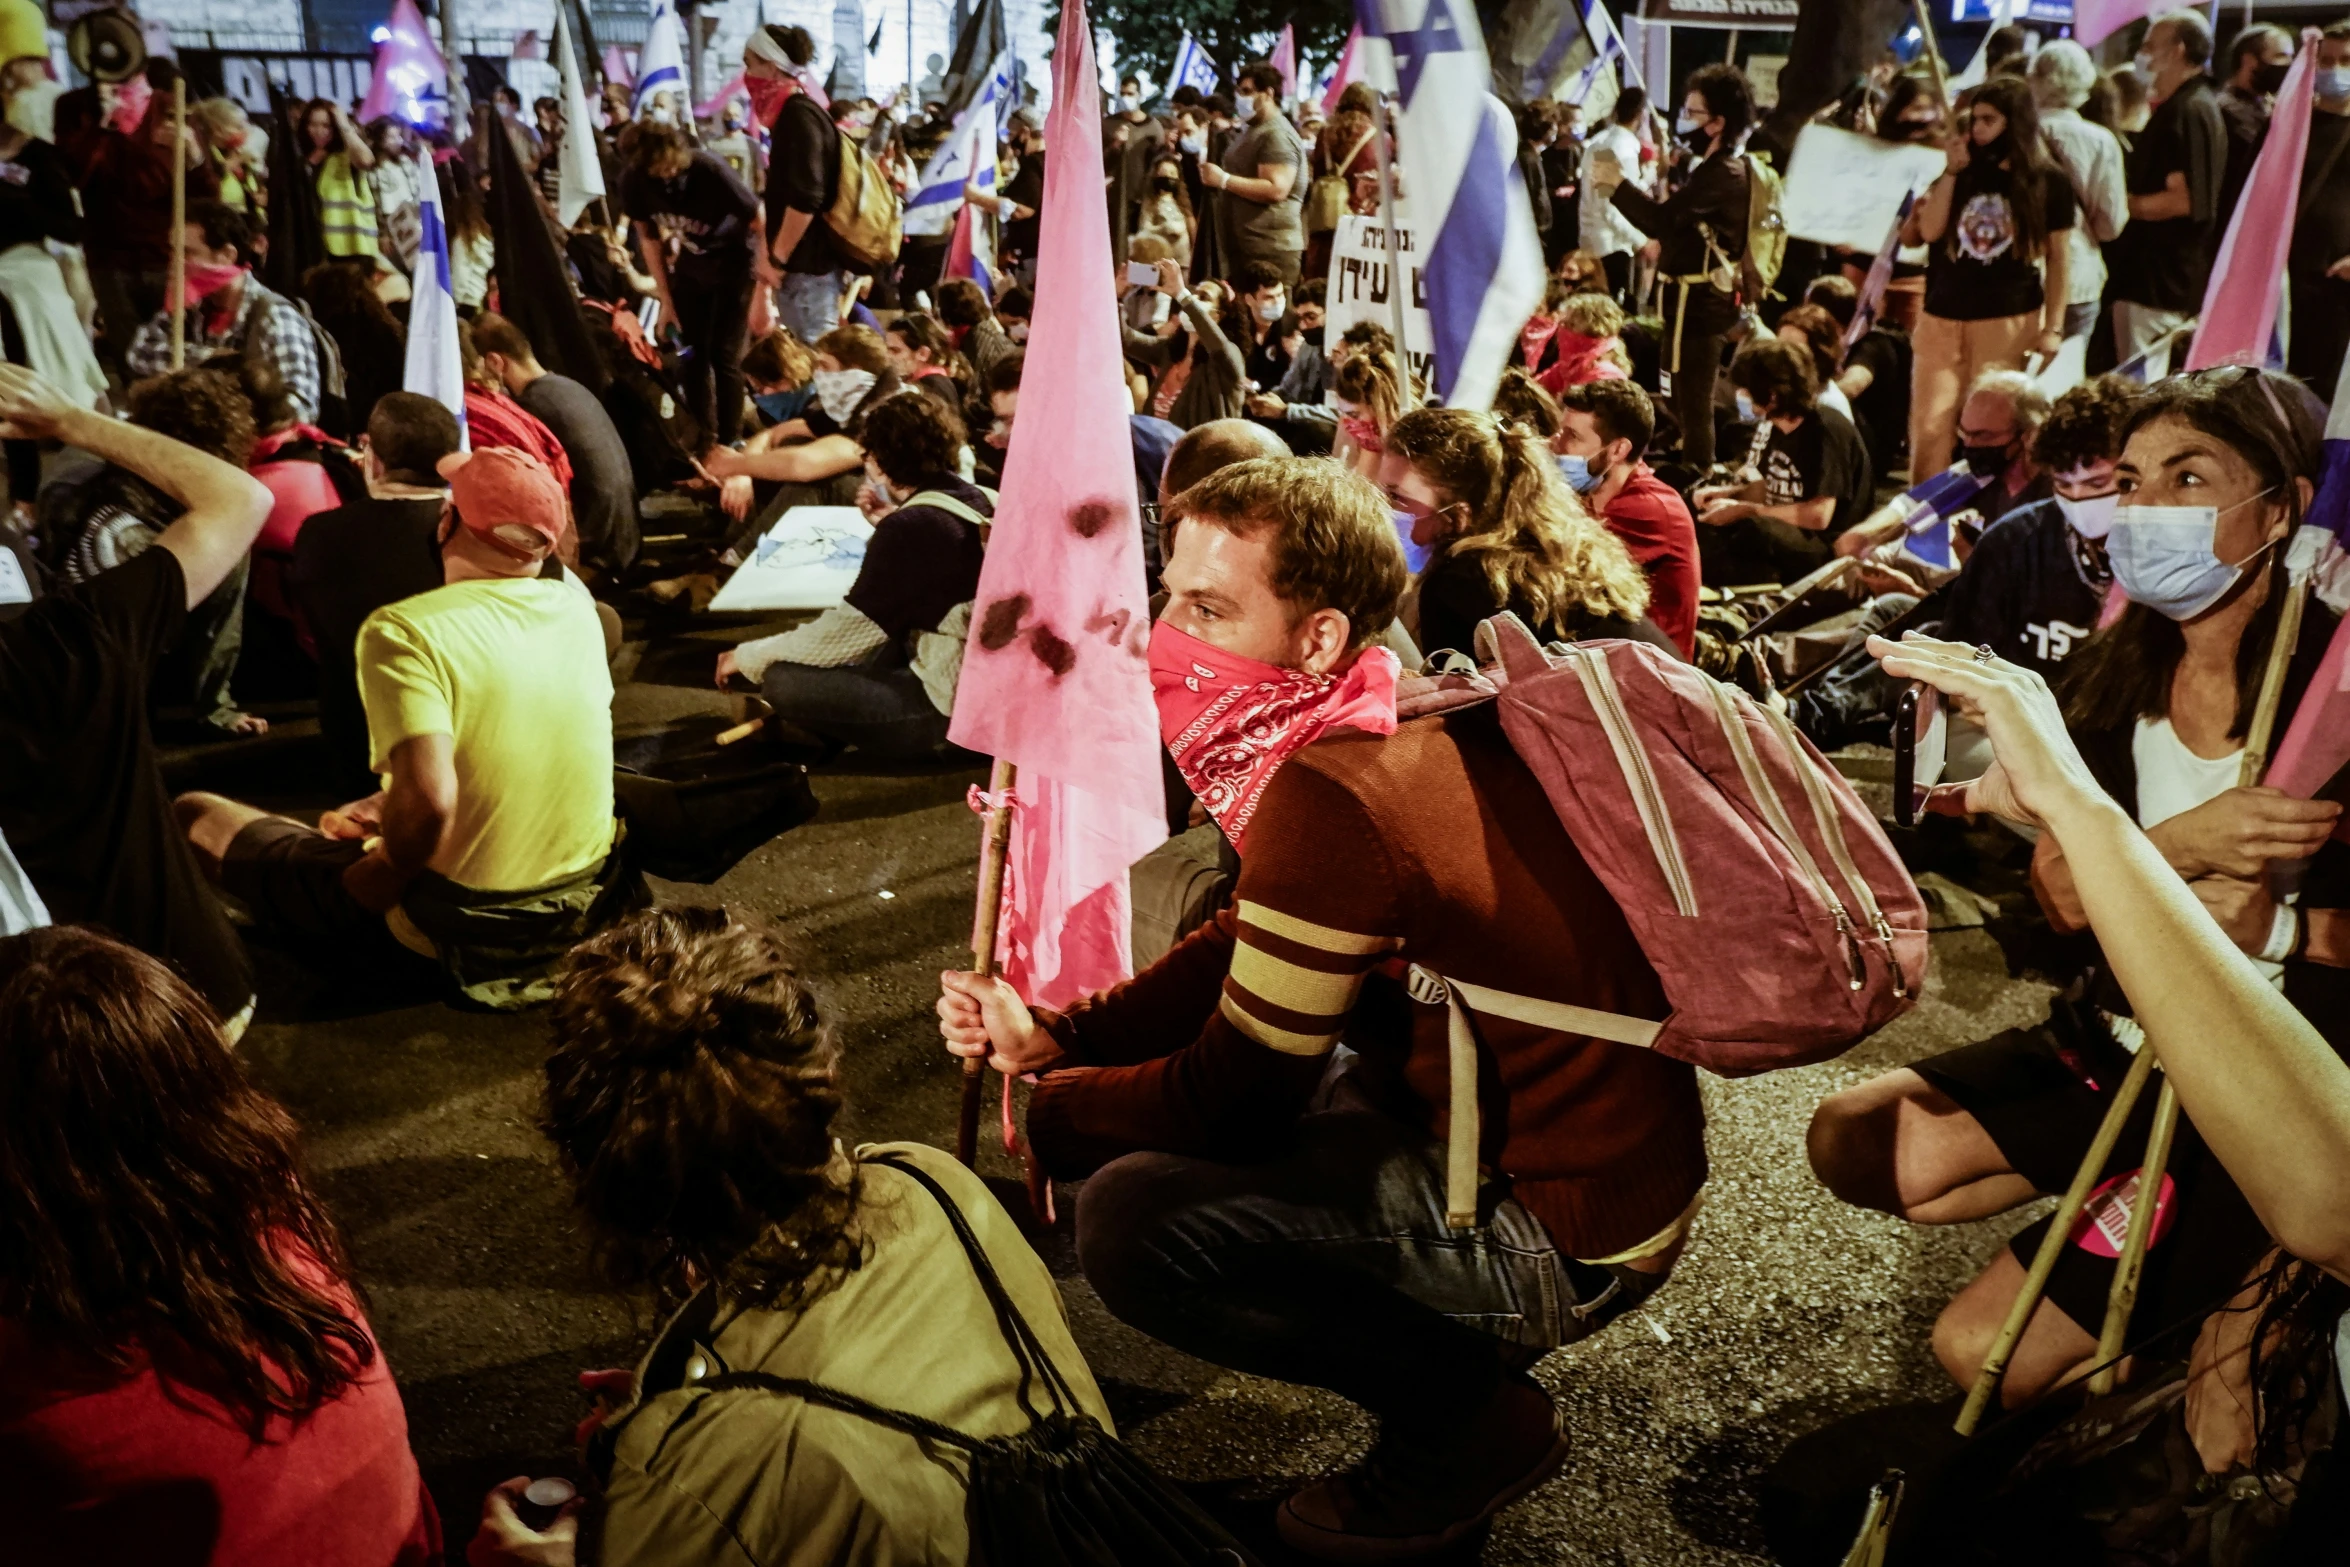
(179, 220)
(1934, 66)
(1398, 274)
(989, 917)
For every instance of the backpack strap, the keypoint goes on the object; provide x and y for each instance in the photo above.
(953, 508)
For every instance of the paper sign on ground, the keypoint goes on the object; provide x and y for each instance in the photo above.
(1358, 289)
(808, 560)
(1843, 188)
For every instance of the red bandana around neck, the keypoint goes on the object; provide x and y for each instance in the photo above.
(1230, 722)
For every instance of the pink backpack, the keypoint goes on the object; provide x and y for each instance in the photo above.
(1783, 926)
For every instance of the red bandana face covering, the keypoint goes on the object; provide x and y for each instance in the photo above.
(1230, 722)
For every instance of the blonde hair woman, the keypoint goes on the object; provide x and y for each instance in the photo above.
(1509, 535)
(1367, 392)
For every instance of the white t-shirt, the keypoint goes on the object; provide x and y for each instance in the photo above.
(1607, 232)
(2173, 780)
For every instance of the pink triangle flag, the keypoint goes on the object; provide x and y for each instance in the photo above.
(1284, 59)
(1056, 675)
(408, 70)
(2248, 276)
(1350, 69)
(2094, 21)
(617, 69)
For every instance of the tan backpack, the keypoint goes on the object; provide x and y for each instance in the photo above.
(865, 215)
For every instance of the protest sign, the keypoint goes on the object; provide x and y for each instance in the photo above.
(1843, 188)
(808, 560)
(1358, 289)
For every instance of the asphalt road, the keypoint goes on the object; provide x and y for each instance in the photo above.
(1787, 1311)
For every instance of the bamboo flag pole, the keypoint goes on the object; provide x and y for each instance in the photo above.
(989, 915)
(1934, 66)
(1399, 274)
(179, 220)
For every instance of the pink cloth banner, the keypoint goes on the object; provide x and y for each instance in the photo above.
(2094, 21)
(1056, 677)
(619, 69)
(1349, 70)
(407, 66)
(1284, 59)
(2247, 284)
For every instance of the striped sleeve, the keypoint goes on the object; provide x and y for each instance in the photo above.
(1293, 981)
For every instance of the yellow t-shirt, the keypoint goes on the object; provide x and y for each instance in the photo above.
(513, 672)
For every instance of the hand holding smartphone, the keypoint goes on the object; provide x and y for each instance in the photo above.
(1142, 274)
(1921, 743)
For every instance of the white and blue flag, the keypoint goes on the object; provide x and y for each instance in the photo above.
(661, 67)
(1458, 147)
(435, 368)
(966, 157)
(1193, 65)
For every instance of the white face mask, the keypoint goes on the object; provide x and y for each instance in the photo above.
(1270, 311)
(1245, 106)
(2143, 65)
(1017, 331)
(1746, 413)
(839, 391)
(1130, 102)
(2163, 557)
(1196, 144)
(2091, 518)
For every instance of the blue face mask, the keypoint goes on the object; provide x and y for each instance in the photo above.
(1415, 556)
(1575, 468)
(2163, 558)
(1746, 413)
(2333, 83)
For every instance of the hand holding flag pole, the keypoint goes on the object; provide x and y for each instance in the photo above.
(986, 921)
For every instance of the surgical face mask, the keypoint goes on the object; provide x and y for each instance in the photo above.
(2143, 65)
(1270, 310)
(1746, 413)
(1129, 102)
(2091, 518)
(1017, 331)
(1245, 106)
(1196, 144)
(2163, 557)
(839, 391)
(2333, 83)
(1576, 469)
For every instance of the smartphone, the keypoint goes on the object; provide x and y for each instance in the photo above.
(1921, 743)
(1142, 274)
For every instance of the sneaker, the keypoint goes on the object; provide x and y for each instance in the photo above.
(1414, 1498)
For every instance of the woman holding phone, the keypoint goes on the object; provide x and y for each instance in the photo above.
(2216, 472)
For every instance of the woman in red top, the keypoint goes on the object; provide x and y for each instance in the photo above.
(185, 1375)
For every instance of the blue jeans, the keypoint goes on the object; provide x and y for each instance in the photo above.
(809, 302)
(1332, 1265)
(884, 713)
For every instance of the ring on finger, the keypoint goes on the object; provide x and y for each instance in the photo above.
(1984, 653)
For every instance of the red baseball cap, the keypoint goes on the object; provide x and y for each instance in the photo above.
(508, 498)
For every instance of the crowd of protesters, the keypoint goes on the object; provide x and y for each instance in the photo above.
(238, 496)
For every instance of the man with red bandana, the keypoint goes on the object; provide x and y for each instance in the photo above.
(1248, 1203)
(232, 311)
(800, 259)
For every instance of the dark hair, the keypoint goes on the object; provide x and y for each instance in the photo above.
(1220, 103)
(2191, 30)
(691, 1095)
(340, 291)
(542, 104)
(225, 228)
(1333, 540)
(856, 348)
(1184, 96)
(461, 199)
(2300, 1306)
(494, 334)
(410, 434)
(1017, 303)
(1370, 337)
(151, 1197)
(1261, 74)
(1834, 293)
(1726, 92)
(1312, 291)
(649, 143)
(795, 42)
(962, 303)
(913, 437)
(203, 408)
(1004, 374)
(2275, 424)
(1534, 122)
(1631, 103)
(1521, 400)
(922, 334)
(504, 93)
(2085, 425)
(1778, 376)
(2002, 47)
(1619, 410)
(1359, 99)
(2029, 168)
(1822, 333)
(264, 386)
(1216, 444)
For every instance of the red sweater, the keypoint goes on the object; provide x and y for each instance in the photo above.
(1650, 517)
(1436, 846)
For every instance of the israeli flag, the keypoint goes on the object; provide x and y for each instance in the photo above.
(1926, 508)
(435, 368)
(661, 67)
(966, 157)
(1193, 65)
(1458, 147)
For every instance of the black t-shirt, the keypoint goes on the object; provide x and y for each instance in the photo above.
(1978, 270)
(82, 798)
(603, 485)
(803, 173)
(349, 563)
(600, 276)
(1821, 456)
(2321, 227)
(921, 562)
(2032, 589)
(1455, 594)
(2164, 264)
(1026, 190)
(1882, 411)
(708, 208)
(36, 198)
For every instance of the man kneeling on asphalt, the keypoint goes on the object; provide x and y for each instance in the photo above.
(489, 717)
(1250, 1205)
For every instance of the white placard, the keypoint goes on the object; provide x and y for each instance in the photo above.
(1358, 290)
(1843, 188)
(808, 560)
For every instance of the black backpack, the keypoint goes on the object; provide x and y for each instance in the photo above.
(1064, 1492)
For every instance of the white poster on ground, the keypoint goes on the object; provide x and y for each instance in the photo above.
(1359, 283)
(1843, 188)
(808, 560)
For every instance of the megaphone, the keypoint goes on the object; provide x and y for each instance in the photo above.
(106, 46)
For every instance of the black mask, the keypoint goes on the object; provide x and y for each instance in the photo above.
(1698, 141)
(2270, 77)
(1986, 461)
(1166, 183)
(1312, 334)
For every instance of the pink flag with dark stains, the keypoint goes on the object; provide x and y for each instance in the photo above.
(2247, 288)
(1056, 677)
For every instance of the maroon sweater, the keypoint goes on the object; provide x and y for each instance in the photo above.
(1436, 846)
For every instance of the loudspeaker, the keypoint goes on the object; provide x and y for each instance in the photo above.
(106, 47)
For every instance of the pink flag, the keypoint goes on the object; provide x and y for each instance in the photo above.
(708, 108)
(2094, 21)
(1349, 68)
(2316, 744)
(1284, 59)
(409, 77)
(2248, 277)
(1056, 675)
(617, 69)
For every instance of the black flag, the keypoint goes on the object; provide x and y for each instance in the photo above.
(534, 288)
(981, 39)
(297, 236)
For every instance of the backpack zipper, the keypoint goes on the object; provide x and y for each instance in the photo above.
(1600, 686)
(1823, 812)
(1775, 817)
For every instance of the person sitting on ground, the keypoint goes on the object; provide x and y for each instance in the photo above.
(1300, 405)
(372, 343)
(2159, 704)
(307, 472)
(779, 369)
(1585, 344)
(692, 1096)
(1812, 327)
(231, 309)
(185, 1371)
(602, 484)
(816, 457)
(352, 561)
(1206, 371)
(1806, 480)
(2002, 412)
(1602, 444)
(1508, 536)
(1367, 395)
(493, 418)
(480, 695)
(82, 798)
(1224, 1216)
(971, 322)
(921, 356)
(878, 670)
(1875, 372)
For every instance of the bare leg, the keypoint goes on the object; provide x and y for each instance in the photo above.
(212, 823)
(1900, 1145)
(2053, 1350)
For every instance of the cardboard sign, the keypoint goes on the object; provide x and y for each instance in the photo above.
(808, 560)
(1360, 279)
(1844, 188)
